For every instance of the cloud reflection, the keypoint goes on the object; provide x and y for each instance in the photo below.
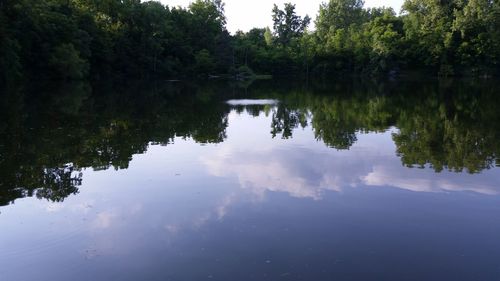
(300, 172)
(309, 171)
(419, 180)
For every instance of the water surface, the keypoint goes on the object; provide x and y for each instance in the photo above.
(349, 180)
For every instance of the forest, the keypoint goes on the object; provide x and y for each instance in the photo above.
(99, 39)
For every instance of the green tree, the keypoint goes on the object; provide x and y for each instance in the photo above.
(339, 14)
(386, 34)
(204, 62)
(67, 64)
(428, 24)
(10, 64)
(287, 24)
(475, 20)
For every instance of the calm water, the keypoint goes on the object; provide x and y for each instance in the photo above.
(344, 180)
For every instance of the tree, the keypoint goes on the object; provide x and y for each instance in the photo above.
(339, 14)
(204, 62)
(475, 21)
(386, 34)
(67, 64)
(428, 25)
(287, 24)
(212, 11)
(208, 21)
(307, 50)
(9, 61)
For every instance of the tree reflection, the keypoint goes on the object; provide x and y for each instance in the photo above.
(456, 129)
(285, 119)
(45, 128)
(49, 134)
(446, 125)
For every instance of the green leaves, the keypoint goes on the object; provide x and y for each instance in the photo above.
(92, 39)
(67, 64)
(339, 14)
(287, 24)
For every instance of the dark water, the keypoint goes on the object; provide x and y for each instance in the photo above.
(344, 180)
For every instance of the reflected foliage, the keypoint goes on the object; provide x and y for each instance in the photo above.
(48, 137)
(456, 130)
(50, 134)
(446, 125)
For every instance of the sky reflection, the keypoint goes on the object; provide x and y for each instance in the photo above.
(303, 167)
(254, 207)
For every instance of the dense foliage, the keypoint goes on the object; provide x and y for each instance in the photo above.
(71, 39)
(75, 39)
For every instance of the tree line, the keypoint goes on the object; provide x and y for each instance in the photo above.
(81, 39)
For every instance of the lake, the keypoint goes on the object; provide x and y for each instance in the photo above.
(276, 180)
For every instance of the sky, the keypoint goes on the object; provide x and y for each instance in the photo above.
(245, 15)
